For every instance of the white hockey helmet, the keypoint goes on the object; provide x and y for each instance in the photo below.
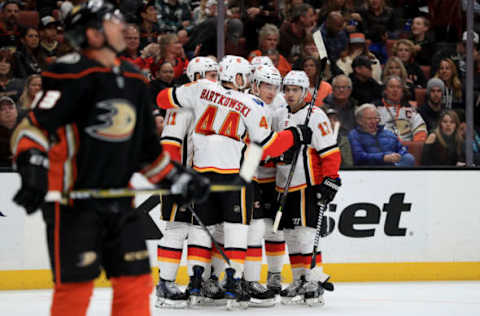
(297, 78)
(261, 60)
(230, 66)
(267, 74)
(200, 65)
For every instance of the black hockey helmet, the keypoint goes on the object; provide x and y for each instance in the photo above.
(87, 15)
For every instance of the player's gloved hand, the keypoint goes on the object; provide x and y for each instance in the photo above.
(32, 166)
(287, 157)
(327, 190)
(302, 134)
(187, 185)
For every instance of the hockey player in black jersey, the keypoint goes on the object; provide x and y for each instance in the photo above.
(92, 128)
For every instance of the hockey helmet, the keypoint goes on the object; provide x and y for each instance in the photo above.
(200, 65)
(297, 78)
(231, 66)
(261, 60)
(88, 15)
(267, 74)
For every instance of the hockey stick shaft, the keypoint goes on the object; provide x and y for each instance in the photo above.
(316, 240)
(215, 243)
(118, 193)
(283, 195)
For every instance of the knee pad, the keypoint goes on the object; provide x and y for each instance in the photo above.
(71, 298)
(131, 295)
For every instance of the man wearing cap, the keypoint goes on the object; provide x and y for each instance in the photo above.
(365, 88)
(8, 120)
(9, 28)
(430, 111)
(48, 38)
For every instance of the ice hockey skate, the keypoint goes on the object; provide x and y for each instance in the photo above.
(195, 286)
(260, 296)
(293, 293)
(235, 291)
(313, 293)
(274, 282)
(170, 296)
(212, 292)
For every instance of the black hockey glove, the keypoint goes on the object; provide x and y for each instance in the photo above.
(32, 166)
(287, 157)
(327, 190)
(187, 186)
(302, 134)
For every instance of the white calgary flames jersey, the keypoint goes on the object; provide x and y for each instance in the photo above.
(319, 159)
(404, 121)
(222, 120)
(177, 136)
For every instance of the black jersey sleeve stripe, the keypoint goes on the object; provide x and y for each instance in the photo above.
(321, 151)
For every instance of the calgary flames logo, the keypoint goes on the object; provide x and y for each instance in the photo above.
(117, 123)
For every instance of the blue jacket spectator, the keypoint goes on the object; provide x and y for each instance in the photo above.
(374, 145)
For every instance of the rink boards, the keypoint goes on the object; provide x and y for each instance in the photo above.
(384, 226)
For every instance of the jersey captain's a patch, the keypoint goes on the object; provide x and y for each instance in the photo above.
(117, 121)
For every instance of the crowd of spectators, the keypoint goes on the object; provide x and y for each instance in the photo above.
(395, 76)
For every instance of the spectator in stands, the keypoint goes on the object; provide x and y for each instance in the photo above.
(365, 88)
(268, 37)
(445, 145)
(149, 29)
(173, 15)
(378, 46)
(446, 19)
(405, 50)
(376, 12)
(256, 15)
(421, 38)
(201, 13)
(340, 101)
(430, 111)
(293, 32)
(48, 38)
(28, 58)
(162, 78)
(9, 28)
(334, 36)
(453, 94)
(312, 68)
(8, 120)
(342, 139)
(9, 85)
(132, 37)
(372, 144)
(397, 115)
(394, 67)
(203, 37)
(172, 51)
(345, 7)
(33, 84)
(357, 46)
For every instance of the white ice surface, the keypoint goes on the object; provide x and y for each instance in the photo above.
(352, 299)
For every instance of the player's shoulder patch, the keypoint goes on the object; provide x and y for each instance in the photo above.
(258, 101)
(71, 58)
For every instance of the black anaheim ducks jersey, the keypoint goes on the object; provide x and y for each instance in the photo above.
(100, 125)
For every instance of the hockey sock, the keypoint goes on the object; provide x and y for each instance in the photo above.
(253, 260)
(131, 295)
(170, 249)
(305, 237)
(199, 248)
(274, 247)
(236, 245)
(218, 263)
(71, 298)
(295, 254)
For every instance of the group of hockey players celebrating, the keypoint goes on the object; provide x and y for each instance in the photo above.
(208, 124)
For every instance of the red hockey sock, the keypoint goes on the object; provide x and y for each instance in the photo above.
(71, 299)
(131, 295)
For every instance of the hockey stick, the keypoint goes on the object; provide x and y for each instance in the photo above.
(282, 199)
(316, 240)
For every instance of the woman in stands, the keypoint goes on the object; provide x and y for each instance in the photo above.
(453, 95)
(405, 50)
(10, 85)
(445, 146)
(33, 84)
(28, 59)
(311, 66)
(394, 67)
(268, 38)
